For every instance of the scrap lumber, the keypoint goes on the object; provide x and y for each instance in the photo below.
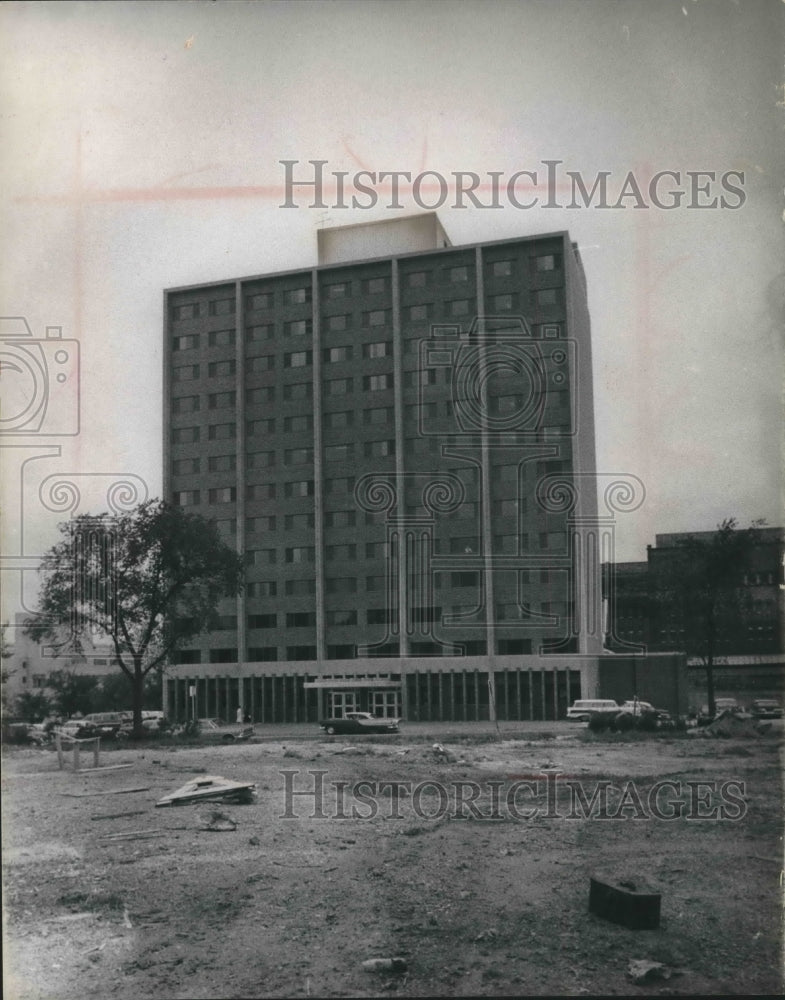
(209, 787)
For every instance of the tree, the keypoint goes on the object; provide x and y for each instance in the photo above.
(698, 587)
(32, 706)
(149, 580)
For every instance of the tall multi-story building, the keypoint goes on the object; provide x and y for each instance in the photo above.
(390, 441)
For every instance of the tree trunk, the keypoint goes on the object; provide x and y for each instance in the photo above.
(137, 695)
(710, 668)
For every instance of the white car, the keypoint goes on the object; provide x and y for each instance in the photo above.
(583, 709)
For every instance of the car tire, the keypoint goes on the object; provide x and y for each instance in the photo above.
(227, 738)
(330, 730)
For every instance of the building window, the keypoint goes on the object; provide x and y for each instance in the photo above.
(341, 617)
(221, 338)
(340, 585)
(254, 525)
(381, 616)
(417, 279)
(300, 619)
(262, 557)
(221, 400)
(188, 310)
(337, 323)
(340, 418)
(224, 494)
(185, 373)
(262, 654)
(377, 550)
(507, 508)
(459, 307)
(297, 359)
(341, 551)
(298, 456)
(261, 459)
(339, 485)
(379, 415)
(187, 343)
(223, 656)
(300, 588)
(426, 376)
(338, 452)
(338, 290)
(222, 463)
(547, 262)
(185, 466)
(226, 623)
(298, 522)
(301, 488)
(222, 307)
(379, 449)
(260, 363)
(338, 387)
(185, 404)
(340, 518)
(513, 647)
(297, 296)
(298, 390)
(300, 553)
(186, 498)
(301, 422)
(261, 491)
(188, 656)
(466, 545)
(377, 383)
(222, 432)
(221, 369)
(458, 275)
(546, 297)
(375, 286)
(259, 332)
(185, 435)
(506, 544)
(261, 300)
(334, 355)
(261, 394)
(255, 428)
(262, 588)
(301, 652)
(419, 313)
(375, 582)
(501, 303)
(465, 578)
(263, 621)
(375, 317)
(379, 349)
(297, 328)
(502, 268)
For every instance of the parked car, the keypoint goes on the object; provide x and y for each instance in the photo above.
(359, 722)
(766, 708)
(79, 729)
(583, 709)
(106, 724)
(637, 707)
(224, 732)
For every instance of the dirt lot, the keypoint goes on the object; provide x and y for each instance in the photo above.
(108, 896)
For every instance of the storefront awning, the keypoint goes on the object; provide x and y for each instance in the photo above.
(345, 683)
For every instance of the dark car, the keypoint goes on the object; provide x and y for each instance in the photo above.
(105, 724)
(766, 708)
(359, 722)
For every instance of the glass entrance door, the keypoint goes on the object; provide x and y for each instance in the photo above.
(342, 702)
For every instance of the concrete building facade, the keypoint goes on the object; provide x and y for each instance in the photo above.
(402, 446)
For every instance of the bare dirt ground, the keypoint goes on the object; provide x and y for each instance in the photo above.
(108, 896)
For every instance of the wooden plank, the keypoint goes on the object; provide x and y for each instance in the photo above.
(112, 791)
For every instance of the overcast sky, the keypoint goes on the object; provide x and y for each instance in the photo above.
(141, 147)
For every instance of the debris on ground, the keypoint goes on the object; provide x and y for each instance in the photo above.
(210, 787)
(630, 903)
(442, 756)
(385, 965)
(218, 821)
(641, 970)
(730, 724)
